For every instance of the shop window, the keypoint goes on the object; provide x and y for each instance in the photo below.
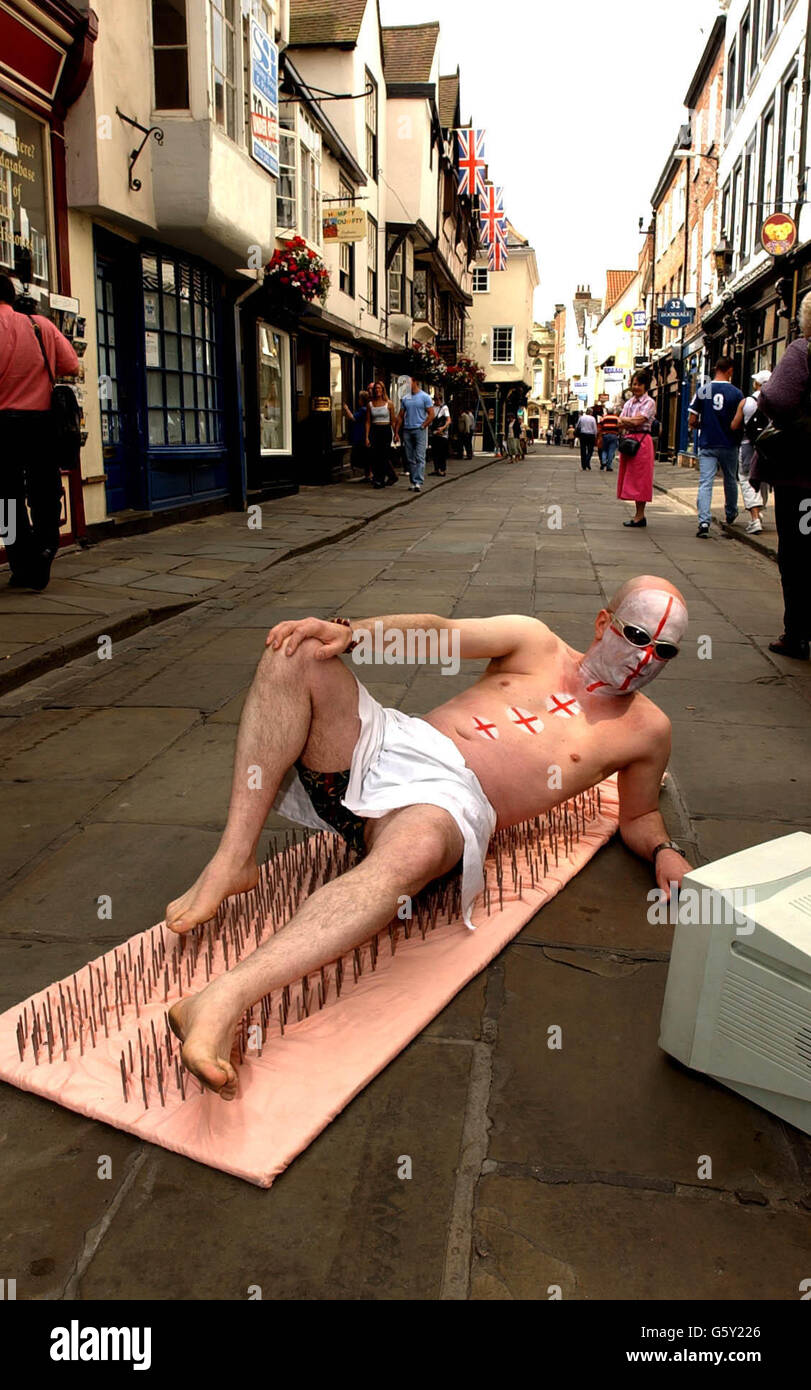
(181, 353)
(170, 56)
(339, 391)
(24, 242)
(273, 361)
(223, 64)
(107, 360)
(371, 265)
(298, 188)
(370, 118)
(421, 301)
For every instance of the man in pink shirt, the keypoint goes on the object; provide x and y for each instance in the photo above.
(29, 463)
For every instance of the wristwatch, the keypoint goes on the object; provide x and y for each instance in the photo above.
(667, 844)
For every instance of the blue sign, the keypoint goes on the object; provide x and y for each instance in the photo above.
(264, 99)
(675, 314)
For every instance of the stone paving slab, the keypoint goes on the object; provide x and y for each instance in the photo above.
(597, 1241)
(608, 1100)
(368, 1234)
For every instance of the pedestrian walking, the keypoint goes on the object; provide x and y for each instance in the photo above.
(413, 422)
(635, 476)
(465, 427)
(32, 353)
(570, 436)
(713, 409)
(786, 399)
(512, 436)
(550, 435)
(586, 432)
(558, 436)
(607, 440)
(381, 434)
(751, 420)
(440, 441)
(357, 435)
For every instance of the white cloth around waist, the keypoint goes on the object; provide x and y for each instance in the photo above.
(400, 760)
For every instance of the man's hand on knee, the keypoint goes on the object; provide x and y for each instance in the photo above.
(334, 637)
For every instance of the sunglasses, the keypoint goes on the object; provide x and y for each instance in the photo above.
(638, 637)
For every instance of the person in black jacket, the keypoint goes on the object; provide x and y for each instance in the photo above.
(786, 399)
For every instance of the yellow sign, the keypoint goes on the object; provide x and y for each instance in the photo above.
(344, 224)
(321, 403)
(778, 234)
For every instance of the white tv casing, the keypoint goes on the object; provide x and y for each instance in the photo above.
(738, 997)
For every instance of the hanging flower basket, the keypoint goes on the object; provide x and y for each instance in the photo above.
(296, 276)
(425, 363)
(464, 375)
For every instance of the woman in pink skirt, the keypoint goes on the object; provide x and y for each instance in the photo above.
(635, 480)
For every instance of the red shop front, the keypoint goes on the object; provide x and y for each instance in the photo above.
(46, 52)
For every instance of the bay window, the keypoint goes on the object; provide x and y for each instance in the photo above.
(298, 188)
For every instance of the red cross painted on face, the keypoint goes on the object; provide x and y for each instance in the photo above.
(524, 718)
(482, 727)
(563, 704)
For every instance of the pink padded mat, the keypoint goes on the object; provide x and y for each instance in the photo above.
(98, 1042)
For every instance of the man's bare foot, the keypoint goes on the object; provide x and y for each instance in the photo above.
(205, 1024)
(219, 880)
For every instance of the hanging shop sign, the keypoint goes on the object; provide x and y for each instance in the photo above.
(674, 313)
(320, 403)
(344, 224)
(580, 388)
(264, 100)
(614, 373)
(627, 322)
(640, 318)
(778, 234)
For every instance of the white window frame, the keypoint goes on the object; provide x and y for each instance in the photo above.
(481, 270)
(502, 361)
(372, 266)
(305, 138)
(287, 421)
(235, 30)
(371, 132)
(395, 280)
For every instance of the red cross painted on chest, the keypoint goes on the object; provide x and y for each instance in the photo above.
(525, 719)
(482, 727)
(563, 704)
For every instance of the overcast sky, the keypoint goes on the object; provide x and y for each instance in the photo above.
(581, 101)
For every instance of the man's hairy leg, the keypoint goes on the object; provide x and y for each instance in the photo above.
(295, 702)
(410, 847)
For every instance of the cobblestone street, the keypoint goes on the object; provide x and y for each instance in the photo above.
(531, 1167)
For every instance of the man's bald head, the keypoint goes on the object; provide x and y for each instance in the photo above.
(644, 581)
(635, 634)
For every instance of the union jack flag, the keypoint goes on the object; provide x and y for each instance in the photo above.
(471, 162)
(498, 254)
(491, 214)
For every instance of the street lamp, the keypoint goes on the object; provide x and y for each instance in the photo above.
(722, 257)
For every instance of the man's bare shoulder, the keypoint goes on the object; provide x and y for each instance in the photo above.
(650, 718)
(531, 641)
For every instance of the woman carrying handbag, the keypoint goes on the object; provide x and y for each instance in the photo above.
(635, 479)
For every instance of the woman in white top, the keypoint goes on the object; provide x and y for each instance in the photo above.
(381, 432)
(440, 443)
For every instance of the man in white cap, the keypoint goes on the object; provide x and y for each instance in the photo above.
(751, 420)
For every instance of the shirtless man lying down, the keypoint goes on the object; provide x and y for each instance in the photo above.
(415, 796)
